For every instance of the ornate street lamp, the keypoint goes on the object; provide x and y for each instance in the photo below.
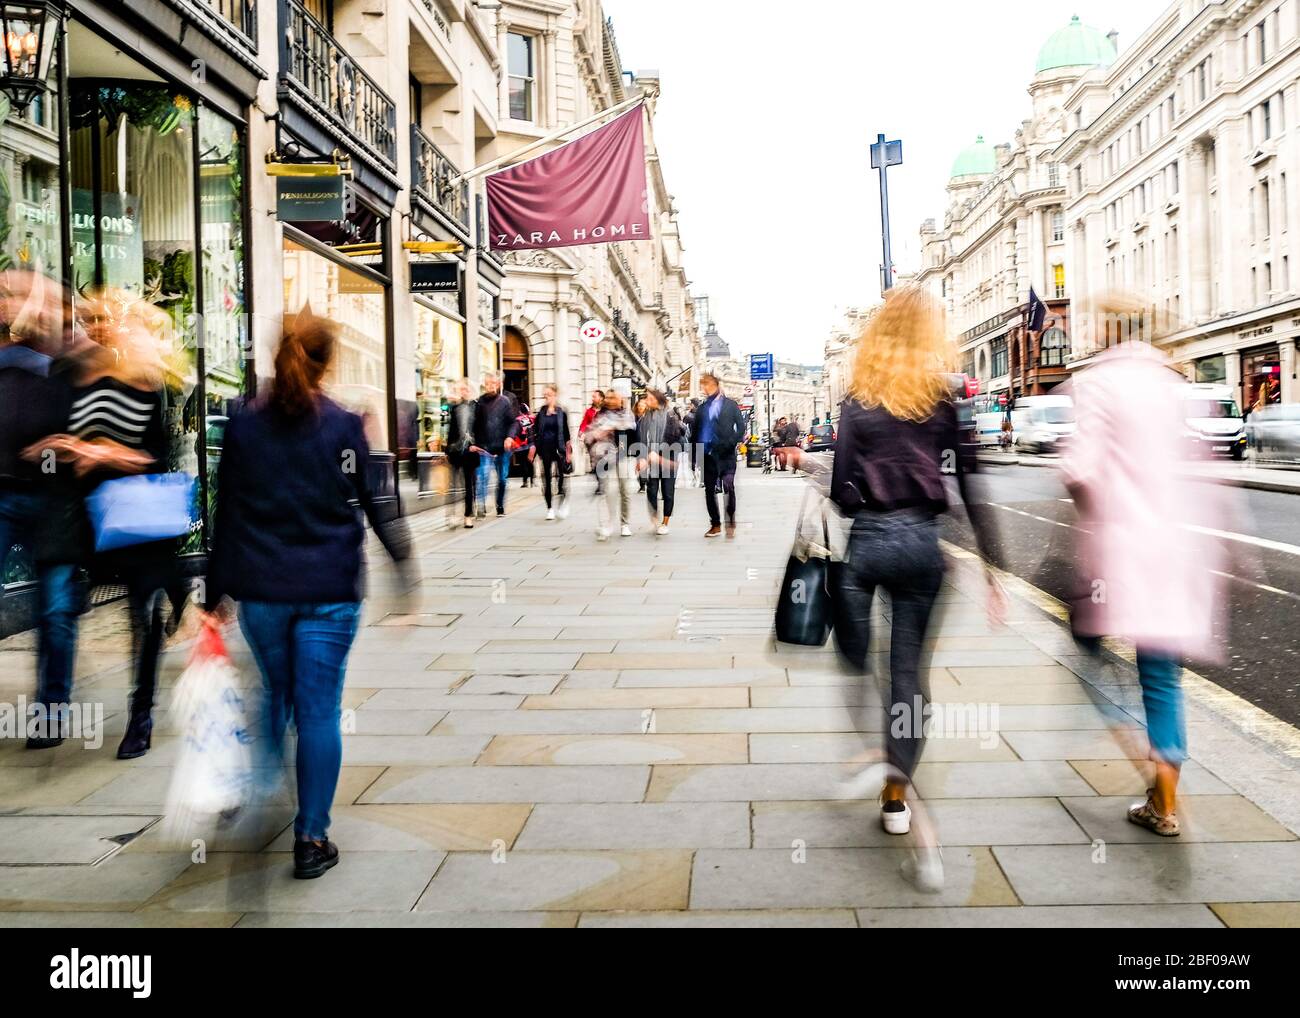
(29, 33)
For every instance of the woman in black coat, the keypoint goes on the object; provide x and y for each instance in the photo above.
(460, 443)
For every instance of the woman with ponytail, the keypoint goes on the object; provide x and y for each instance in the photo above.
(288, 547)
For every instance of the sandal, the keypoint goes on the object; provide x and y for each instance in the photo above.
(1144, 815)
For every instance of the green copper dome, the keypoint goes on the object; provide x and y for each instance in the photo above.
(1076, 45)
(978, 160)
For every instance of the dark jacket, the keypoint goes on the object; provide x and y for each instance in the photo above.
(495, 420)
(728, 427)
(669, 448)
(884, 464)
(33, 405)
(459, 439)
(286, 527)
(551, 432)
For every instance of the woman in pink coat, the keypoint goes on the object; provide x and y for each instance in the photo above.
(1147, 574)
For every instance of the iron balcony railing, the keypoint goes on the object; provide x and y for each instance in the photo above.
(434, 175)
(240, 14)
(313, 60)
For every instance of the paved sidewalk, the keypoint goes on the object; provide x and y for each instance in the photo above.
(554, 731)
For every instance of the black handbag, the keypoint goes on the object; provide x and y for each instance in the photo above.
(804, 606)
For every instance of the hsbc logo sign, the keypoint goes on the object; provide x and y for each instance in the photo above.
(591, 331)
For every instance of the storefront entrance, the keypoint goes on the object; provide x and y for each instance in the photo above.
(514, 365)
(1261, 378)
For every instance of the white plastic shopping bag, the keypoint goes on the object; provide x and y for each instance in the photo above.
(213, 772)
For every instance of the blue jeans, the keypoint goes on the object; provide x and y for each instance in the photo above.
(1162, 699)
(487, 462)
(57, 605)
(302, 651)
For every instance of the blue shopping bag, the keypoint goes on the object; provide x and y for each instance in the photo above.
(140, 508)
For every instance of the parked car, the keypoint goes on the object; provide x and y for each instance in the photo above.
(1273, 433)
(1214, 425)
(1043, 424)
(820, 438)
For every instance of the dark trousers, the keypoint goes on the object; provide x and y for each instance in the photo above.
(151, 576)
(722, 471)
(899, 552)
(668, 483)
(468, 470)
(552, 461)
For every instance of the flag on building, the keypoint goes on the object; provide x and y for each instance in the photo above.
(588, 191)
(1037, 312)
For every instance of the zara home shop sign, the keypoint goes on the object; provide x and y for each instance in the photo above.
(435, 277)
(308, 199)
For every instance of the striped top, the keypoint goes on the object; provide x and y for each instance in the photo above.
(109, 409)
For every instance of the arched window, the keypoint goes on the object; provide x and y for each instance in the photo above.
(1052, 348)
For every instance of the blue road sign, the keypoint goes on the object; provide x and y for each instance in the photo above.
(761, 367)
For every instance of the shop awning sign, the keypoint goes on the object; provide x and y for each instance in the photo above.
(309, 199)
(435, 277)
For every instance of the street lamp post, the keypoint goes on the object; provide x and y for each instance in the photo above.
(29, 33)
(885, 154)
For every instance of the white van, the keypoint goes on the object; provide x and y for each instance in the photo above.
(1214, 423)
(1043, 423)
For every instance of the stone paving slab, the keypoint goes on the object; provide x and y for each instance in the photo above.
(584, 734)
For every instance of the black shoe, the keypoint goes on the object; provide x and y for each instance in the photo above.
(43, 742)
(312, 858)
(500, 511)
(138, 737)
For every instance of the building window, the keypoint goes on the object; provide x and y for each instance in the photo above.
(1266, 112)
(999, 357)
(1264, 207)
(1058, 281)
(523, 82)
(1058, 225)
(1053, 175)
(1052, 350)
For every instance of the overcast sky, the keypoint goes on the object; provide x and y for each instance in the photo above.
(764, 122)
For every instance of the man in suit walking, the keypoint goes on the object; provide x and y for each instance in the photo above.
(719, 428)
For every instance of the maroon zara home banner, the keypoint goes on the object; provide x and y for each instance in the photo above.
(590, 191)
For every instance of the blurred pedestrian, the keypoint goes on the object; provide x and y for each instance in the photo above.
(659, 443)
(291, 555)
(460, 443)
(40, 507)
(521, 458)
(639, 412)
(596, 405)
(116, 428)
(1146, 574)
(690, 421)
(551, 444)
(608, 438)
(496, 430)
(776, 440)
(720, 428)
(898, 439)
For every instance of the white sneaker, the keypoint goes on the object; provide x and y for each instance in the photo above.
(602, 534)
(564, 509)
(627, 531)
(662, 529)
(550, 514)
(924, 870)
(898, 822)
